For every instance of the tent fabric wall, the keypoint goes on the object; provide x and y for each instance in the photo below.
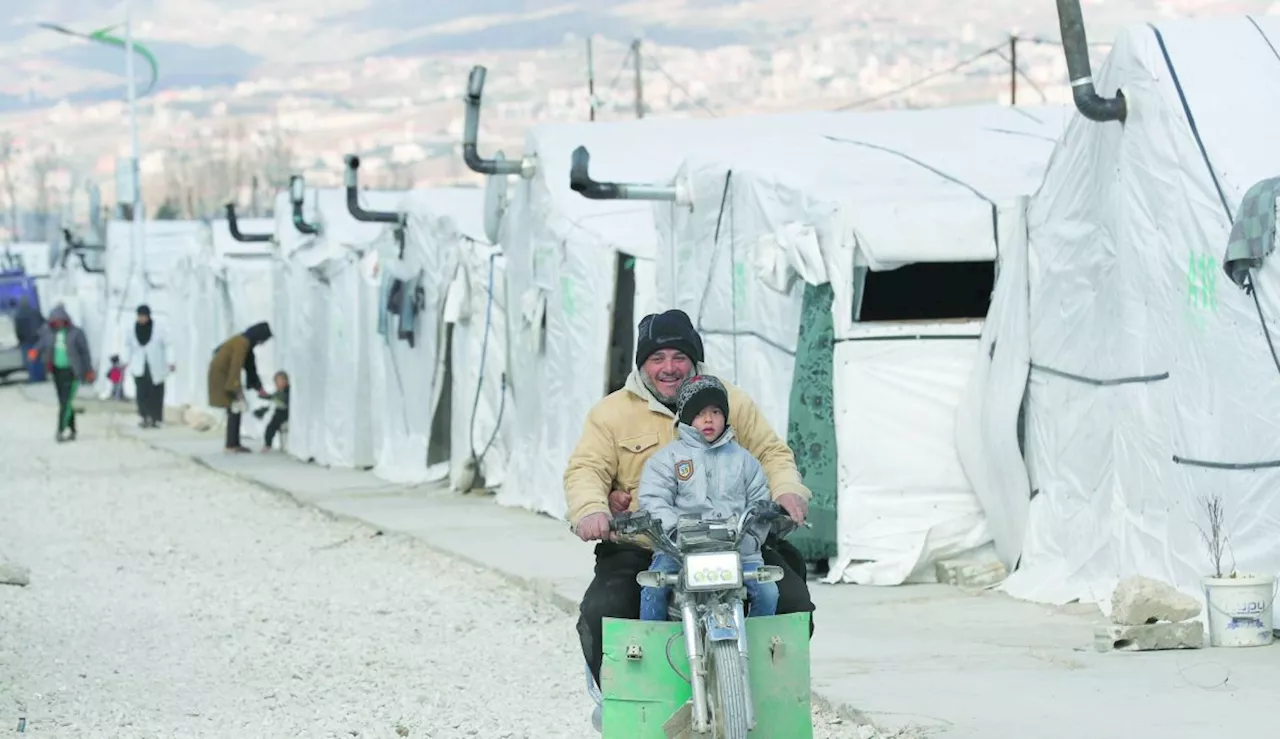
(1136, 335)
(482, 401)
(326, 292)
(772, 219)
(409, 382)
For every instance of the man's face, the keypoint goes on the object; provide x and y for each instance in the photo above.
(710, 423)
(143, 319)
(665, 370)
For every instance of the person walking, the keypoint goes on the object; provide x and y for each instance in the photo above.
(28, 323)
(230, 360)
(147, 360)
(64, 351)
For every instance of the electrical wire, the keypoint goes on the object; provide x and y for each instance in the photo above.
(1025, 77)
(502, 401)
(679, 85)
(927, 78)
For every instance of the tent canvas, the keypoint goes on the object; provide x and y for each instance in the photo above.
(1149, 370)
(414, 385)
(787, 226)
(327, 296)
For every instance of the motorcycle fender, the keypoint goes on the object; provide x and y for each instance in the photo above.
(719, 628)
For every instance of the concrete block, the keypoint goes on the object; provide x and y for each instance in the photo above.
(11, 574)
(970, 574)
(1141, 600)
(1149, 637)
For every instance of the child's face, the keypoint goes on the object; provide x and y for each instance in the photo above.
(709, 422)
(282, 382)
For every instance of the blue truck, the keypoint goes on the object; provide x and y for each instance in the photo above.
(15, 284)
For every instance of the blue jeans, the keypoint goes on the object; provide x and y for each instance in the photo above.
(654, 602)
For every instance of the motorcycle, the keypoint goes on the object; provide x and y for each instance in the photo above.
(708, 595)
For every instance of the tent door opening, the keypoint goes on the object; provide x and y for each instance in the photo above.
(622, 335)
(440, 448)
(924, 291)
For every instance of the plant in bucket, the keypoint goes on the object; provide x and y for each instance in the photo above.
(1239, 605)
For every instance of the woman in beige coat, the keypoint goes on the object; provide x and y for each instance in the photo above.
(230, 360)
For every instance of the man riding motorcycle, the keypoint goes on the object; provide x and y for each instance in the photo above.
(621, 432)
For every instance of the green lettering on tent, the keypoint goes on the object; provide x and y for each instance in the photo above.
(1202, 287)
(811, 427)
(566, 297)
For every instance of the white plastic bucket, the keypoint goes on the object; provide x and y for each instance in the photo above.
(1239, 610)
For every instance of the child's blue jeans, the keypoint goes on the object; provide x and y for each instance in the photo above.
(654, 601)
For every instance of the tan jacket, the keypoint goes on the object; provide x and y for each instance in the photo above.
(626, 427)
(225, 369)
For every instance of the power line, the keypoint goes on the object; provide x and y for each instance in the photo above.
(1026, 77)
(679, 85)
(927, 78)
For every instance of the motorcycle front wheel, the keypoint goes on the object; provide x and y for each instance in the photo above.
(730, 689)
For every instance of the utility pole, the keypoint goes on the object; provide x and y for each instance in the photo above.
(591, 81)
(138, 245)
(635, 55)
(1013, 69)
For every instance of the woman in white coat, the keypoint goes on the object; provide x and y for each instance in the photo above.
(148, 363)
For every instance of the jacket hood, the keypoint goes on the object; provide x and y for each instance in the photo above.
(60, 315)
(635, 385)
(689, 436)
(258, 333)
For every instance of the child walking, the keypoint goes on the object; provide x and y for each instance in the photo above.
(280, 410)
(116, 376)
(704, 472)
(64, 351)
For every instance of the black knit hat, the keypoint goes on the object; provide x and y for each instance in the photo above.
(697, 393)
(670, 330)
(144, 310)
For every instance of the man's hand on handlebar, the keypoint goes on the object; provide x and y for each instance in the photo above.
(796, 507)
(595, 527)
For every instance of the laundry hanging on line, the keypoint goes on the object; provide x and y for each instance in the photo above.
(403, 299)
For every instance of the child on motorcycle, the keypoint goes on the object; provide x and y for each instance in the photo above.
(704, 472)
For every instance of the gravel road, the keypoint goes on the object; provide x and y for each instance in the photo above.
(167, 600)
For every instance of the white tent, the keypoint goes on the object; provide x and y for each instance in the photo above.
(326, 295)
(215, 293)
(165, 243)
(848, 204)
(414, 388)
(482, 403)
(1151, 381)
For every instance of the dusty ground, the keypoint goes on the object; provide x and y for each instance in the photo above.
(167, 600)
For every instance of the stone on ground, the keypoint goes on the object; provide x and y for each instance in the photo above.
(11, 574)
(1150, 637)
(1141, 600)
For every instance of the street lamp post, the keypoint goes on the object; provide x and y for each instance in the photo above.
(137, 243)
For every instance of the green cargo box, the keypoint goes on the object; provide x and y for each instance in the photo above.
(642, 692)
(811, 426)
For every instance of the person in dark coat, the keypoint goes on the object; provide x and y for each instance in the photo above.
(28, 323)
(230, 360)
(64, 351)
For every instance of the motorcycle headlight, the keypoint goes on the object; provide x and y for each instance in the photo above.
(714, 571)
